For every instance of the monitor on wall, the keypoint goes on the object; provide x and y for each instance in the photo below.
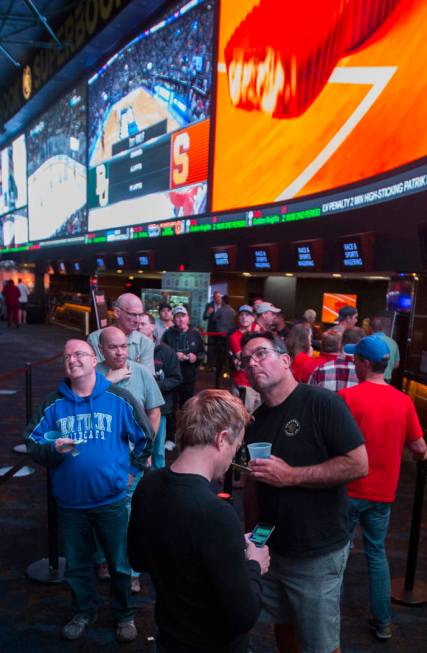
(57, 169)
(149, 123)
(333, 302)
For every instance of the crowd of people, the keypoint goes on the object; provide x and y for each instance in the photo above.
(14, 302)
(335, 427)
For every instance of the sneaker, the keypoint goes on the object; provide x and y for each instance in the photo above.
(102, 571)
(126, 631)
(74, 628)
(169, 445)
(135, 585)
(382, 631)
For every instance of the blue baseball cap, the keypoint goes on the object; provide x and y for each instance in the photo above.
(372, 348)
(246, 309)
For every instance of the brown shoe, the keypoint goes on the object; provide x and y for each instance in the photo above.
(135, 585)
(126, 631)
(102, 571)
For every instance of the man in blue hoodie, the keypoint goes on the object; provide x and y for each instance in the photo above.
(82, 432)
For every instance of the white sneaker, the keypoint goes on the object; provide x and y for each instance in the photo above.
(169, 445)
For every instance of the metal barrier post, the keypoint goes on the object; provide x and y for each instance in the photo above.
(51, 569)
(413, 594)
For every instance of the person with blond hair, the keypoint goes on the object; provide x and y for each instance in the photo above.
(207, 576)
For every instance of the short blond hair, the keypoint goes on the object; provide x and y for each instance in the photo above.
(207, 414)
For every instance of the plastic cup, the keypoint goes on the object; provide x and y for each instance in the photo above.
(51, 436)
(259, 450)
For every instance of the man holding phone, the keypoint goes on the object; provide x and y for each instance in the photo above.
(207, 575)
(300, 489)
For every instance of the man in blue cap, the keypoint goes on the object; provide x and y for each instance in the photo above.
(388, 421)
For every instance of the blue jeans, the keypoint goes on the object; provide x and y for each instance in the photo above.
(158, 453)
(374, 519)
(109, 523)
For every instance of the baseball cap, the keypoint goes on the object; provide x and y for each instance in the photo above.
(346, 311)
(246, 309)
(179, 309)
(264, 307)
(372, 348)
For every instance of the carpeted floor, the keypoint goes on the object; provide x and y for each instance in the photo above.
(32, 614)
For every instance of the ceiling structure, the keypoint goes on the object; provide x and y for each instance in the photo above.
(26, 26)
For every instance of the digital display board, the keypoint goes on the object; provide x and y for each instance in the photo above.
(13, 176)
(264, 257)
(333, 303)
(313, 96)
(309, 255)
(146, 259)
(224, 258)
(57, 169)
(356, 252)
(149, 123)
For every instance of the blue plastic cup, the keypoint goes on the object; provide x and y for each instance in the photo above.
(259, 450)
(51, 436)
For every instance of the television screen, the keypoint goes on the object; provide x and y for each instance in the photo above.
(76, 266)
(13, 176)
(14, 228)
(100, 262)
(224, 258)
(309, 255)
(120, 261)
(57, 169)
(356, 252)
(264, 257)
(333, 302)
(323, 93)
(221, 259)
(61, 267)
(149, 110)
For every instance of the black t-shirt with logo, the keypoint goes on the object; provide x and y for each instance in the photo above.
(310, 427)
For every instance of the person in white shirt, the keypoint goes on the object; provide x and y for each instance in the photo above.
(23, 301)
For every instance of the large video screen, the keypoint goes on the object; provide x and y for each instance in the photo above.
(149, 110)
(14, 228)
(312, 96)
(57, 181)
(13, 176)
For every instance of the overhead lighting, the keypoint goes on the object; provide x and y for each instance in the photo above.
(336, 275)
(246, 274)
(140, 271)
(131, 278)
(119, 271)
(164, 271)
(289, 274)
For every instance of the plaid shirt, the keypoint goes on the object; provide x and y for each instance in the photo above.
(335, 375)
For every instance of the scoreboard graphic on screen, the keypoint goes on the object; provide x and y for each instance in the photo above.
(149, 124)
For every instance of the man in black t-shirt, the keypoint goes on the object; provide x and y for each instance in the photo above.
(316, 449)
(207, 577)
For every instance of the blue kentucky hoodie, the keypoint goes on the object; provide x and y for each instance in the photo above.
(107, 421)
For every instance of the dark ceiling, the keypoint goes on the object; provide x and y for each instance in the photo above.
(28, 25)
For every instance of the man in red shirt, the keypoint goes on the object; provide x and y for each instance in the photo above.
(388, 421)
(246, 323)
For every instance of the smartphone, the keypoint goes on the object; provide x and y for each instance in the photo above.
(261, 533)
(240, 468)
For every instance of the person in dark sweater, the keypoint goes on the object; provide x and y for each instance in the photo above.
(207, 576)
(190, 349)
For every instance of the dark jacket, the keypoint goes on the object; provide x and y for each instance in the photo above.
(189, 342)
(167, 374)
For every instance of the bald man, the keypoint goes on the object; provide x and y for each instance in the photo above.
(82, 432)
(128, 311)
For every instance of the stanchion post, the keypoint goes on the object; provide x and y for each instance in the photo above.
(406, 591)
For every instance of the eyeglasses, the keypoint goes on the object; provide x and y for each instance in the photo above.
(259, 355)
(78, 355)
(136, 316)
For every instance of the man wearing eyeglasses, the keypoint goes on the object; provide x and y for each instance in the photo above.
(81, 433)
(128, 310)
(300, 489)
